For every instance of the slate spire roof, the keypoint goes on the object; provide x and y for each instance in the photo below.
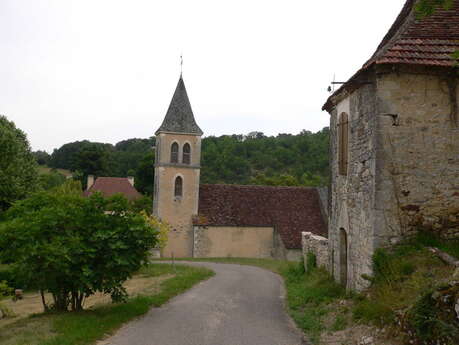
(179, 117)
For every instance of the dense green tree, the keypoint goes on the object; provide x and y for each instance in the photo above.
(18, 168)
(51, 180)
(42, 157)
(72, 247)
(145, 174)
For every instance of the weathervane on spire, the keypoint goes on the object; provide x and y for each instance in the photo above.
(181, 64)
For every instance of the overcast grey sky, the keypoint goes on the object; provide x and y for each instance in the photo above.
(105, 70)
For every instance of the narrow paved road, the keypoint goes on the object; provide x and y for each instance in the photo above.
(240, 305)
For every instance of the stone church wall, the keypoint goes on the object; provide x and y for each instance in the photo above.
(418, 155)
(403, 173)
(226, 241)
(351, 213)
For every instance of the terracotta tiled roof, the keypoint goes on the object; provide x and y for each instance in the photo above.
(428, 41)
(290, 210)
(420, 41)
(109, 186)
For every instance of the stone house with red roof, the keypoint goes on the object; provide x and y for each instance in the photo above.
(395, 143)
(109, 186)
(223, 220)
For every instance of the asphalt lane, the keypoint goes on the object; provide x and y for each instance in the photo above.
(240, 305)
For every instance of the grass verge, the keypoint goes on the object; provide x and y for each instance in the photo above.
(88, 326)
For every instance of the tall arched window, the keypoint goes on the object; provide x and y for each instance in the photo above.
(343, 146)
(174, 153)
(178, 187)
(186, 159)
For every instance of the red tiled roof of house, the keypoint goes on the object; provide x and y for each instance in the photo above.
(427, 41)
(420, 41)
(290, 210)
(109, 186)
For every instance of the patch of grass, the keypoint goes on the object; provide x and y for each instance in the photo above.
(42, 169)
(428, 239)
(401, 275)
(30, 331)
(90, 325)
(340, 323)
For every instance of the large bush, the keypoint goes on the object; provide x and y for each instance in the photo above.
(18, 169)
(72, 246)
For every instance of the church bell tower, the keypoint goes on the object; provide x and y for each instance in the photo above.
(177, 171)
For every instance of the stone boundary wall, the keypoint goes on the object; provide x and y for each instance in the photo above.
(318, 245)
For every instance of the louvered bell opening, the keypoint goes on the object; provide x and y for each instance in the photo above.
(186, 159)
(174, 153)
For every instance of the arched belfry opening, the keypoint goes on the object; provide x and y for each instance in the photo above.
(174, 152)
(186, 159)
(343, 270)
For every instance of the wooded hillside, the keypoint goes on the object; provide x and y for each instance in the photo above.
(285, 159)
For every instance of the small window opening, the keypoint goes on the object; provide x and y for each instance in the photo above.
(343, 143)
(186, 159)
(178, 188)
(174, 153)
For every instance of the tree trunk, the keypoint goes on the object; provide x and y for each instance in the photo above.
(43, 300)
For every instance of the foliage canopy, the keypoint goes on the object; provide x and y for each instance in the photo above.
(72, 246)
(18, 169)
(284, 159)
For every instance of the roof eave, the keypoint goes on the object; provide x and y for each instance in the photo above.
(160, 131)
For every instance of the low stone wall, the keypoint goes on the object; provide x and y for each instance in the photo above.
(317, 245)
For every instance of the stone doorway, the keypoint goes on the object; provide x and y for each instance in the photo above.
(343, 256)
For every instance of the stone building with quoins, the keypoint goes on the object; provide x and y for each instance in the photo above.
(223, 220)
(395, 143)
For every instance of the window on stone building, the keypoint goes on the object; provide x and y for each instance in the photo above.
(343, 145)
(178, 188)
(174, 153)
(186, 159)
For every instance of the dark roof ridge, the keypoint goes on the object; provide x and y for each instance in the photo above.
(109, 186)
(257, 186)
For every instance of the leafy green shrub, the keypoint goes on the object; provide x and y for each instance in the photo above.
(5, 290)
(426, 319)
(72, 246)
